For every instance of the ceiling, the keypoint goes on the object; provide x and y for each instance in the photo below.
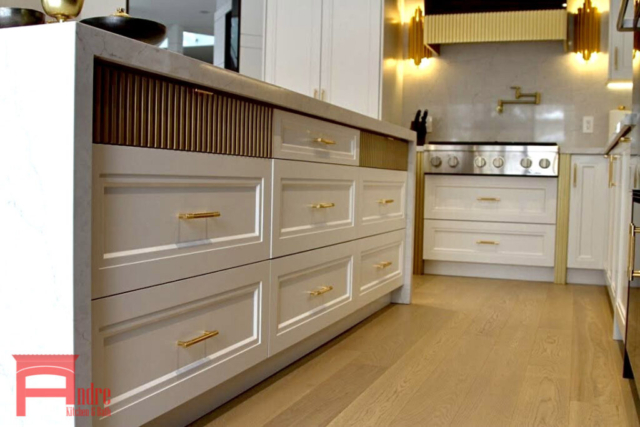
(193, 15)
(440, 7)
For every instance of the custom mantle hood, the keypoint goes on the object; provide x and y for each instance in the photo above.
(477, 21)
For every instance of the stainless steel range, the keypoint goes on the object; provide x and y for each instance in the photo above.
(492, 158)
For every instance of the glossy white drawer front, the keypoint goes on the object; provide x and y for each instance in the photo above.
(141, 348)
(314, 206)
(490, 242)
(143, 234)
(489, 198)
(309, 292)
(382, 201)
(303, 138)
(381, 265)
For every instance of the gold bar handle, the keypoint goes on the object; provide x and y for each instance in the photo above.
(383, 264)
(324, 141)
(321, 291)
(205, 336)
(323, 205)
(575, 175)
(386, 201)
(487, 242)
(632, 272)
(488, 199)
(200, 215)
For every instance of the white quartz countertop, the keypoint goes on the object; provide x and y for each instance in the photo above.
(132, 53)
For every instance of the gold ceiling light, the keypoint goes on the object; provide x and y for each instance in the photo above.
(587, 31)
(418, 51)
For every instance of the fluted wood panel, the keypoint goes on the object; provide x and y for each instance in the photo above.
(383, 153)
(562, 222)
(138, 109)
(418, 240)
(496, 27)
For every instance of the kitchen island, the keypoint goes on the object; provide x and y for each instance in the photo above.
(186, 231)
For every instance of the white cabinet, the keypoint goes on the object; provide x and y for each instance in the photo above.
(328, 49)
(620, 47)
(588, 212)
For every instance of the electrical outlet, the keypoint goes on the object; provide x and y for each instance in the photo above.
(587, 124)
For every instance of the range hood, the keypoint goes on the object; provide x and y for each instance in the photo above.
(479, 21)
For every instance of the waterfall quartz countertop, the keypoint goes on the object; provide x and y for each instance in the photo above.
(46, 187)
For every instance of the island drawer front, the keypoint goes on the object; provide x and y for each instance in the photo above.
(382, 201)
(146, 348)
(296, 312)
(381, 265)
(298, 137)
(489, 198)
(315, 206)
(490, 242)
(141, 240)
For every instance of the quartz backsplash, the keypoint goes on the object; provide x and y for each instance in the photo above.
(462, 87)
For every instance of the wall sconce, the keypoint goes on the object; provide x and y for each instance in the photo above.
(586, 40)
(417, 49)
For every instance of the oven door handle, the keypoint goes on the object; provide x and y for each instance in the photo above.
(632, 272)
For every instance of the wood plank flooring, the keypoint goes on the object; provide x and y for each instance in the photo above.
(466, 353)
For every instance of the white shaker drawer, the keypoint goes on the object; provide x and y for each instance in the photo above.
(161, 216)
(490, 242)
(489, 198)
(381, 265)
(157, 348)
(314, 206)
(309, 292)
(303, 138)
(382, 201)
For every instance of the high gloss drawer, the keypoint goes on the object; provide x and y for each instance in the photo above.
(161, 216)
(489, 198)
(382, 201)
(309, 292)
(157, 348)
(490, 242)
(381, 265)
(314, 205)
(298, 137)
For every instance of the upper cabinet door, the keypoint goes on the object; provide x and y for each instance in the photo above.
(351, 54)
(620, 47)
(293, 40)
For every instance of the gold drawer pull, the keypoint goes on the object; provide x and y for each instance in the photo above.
(199, 215)
(205, 336)
(487, 242)
(632, 272)
(488, 199)
(383, 264)
(386, 201)
(322, 290)
(323, 205)
(324, 141)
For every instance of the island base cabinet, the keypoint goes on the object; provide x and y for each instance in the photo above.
(159, 347)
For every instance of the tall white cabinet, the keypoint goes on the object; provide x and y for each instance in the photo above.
(328, 49)
(620, 46)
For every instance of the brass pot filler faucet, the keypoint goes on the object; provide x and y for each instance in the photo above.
(536, 96)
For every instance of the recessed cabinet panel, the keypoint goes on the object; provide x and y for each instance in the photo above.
(495, 199)
(492, 243)
(310, 291)
(161, 216)
(382, 201)
(159, 347)
(303, 138)
(315, 205)
(381, 265)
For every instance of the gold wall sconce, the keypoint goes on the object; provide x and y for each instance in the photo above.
(586, 35)
(535, 99)
(418, 50)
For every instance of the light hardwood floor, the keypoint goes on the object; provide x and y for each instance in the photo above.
(467, 352)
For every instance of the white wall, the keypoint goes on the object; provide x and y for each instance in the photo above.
(91, 7)
(461, 89)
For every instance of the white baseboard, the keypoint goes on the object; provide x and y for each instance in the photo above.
(210, 400)
(489, 271)
(580, 276)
